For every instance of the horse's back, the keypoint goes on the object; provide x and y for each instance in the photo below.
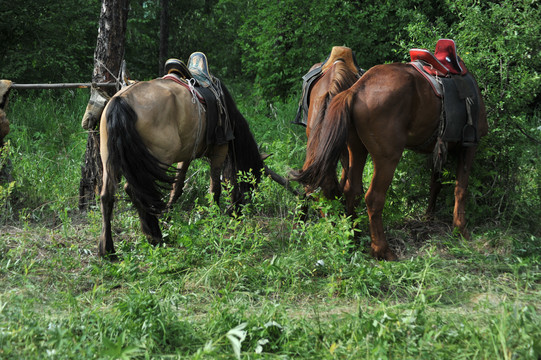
(394, 102)
(169, 122)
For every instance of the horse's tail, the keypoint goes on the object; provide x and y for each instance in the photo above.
(243, 152)
(145, 174)
(328, 139)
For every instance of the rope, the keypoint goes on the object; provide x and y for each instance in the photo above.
(117, 81)
(439, 156)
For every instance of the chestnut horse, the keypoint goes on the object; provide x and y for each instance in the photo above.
(338, 73)
(148, 126)
(390, 108)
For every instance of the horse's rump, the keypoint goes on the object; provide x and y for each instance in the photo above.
(128, 155)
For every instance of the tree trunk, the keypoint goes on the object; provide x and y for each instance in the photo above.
(107, 65)
(5, 162)
(164, 35)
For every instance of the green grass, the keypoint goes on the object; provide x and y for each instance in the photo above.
(261, 285)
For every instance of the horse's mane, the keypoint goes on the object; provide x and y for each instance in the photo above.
(342, 80)
(243, 152)
(329, 134)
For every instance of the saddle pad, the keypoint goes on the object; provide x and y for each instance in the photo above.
(434, 82)
(217, 133)
(307, 81)
(181, 82)
(457, 89)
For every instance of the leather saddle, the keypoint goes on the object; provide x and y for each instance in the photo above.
(197, 69)
(177, 67)
(443, 62)
(452, 82)
(219, 129)
(338, 53)
(198, 66)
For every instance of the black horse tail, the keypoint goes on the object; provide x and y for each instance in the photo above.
(145, 174)
(327, 141)
(243, 154)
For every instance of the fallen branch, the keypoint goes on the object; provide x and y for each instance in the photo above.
(527, 135)
(280, 180)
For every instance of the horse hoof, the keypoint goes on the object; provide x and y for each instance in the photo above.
(386, 255)
(462, 231)
(106, 253)
(111, 256)
(390, 256)
(154, 241)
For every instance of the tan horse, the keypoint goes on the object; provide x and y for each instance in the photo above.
(94, 108)
(150, 125)
(390, 108)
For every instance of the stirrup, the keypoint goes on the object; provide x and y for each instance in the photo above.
(469, 135)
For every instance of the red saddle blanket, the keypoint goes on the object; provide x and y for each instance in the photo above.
(184, 83)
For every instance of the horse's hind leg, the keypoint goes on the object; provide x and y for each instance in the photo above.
(149, 222)
(105, 244)
(353, 185)
(344, 160)
(217, 159)
(465, 161)
(435, 188)
(178, 186)
(384, 168)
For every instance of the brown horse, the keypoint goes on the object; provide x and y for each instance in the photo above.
(390, 108)
(150, 125)
(336, 74)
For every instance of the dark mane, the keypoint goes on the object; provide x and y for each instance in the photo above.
(243, 155)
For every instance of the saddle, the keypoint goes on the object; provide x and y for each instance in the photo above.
(209, 90)
(443, 62)
(452, 82)
(177, 67)
(338, 53)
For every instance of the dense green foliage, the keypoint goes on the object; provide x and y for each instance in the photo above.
(446, 298)
(261, 283)
(48, 41)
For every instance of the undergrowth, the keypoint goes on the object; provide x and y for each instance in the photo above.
(258, 284)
